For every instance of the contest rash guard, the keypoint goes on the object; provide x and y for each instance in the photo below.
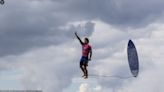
(85, 50)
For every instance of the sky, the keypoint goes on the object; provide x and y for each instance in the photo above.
(39, 51)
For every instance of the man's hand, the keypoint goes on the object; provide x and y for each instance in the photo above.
(76, 33)
(89, 59)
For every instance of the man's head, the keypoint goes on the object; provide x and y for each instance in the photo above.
(86, 40)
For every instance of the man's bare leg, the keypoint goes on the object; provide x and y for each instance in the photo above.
(86, 72)
(83, 70)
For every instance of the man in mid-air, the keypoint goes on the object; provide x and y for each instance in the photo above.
(86, 55)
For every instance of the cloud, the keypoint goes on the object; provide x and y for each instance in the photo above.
(119, 13)
(35, 23)
(110, 59)
(52, 68)
(42, 68)
(148, 43)
(37, 38)
(36, 26)
(86, 88)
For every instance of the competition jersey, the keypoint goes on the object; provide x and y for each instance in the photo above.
(86, 49)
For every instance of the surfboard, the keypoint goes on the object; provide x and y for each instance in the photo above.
(133, 58)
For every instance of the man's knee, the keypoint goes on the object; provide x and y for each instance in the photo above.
(85, 67)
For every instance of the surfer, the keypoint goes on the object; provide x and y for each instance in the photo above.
(86, 55)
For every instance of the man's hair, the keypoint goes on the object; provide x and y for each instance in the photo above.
(87, 40)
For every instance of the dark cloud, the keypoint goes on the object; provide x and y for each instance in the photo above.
(24, 28)
(120, 13)
(35, 23)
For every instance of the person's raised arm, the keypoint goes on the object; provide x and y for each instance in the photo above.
(79, 38)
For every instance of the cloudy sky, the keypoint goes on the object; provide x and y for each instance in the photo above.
(38, 49)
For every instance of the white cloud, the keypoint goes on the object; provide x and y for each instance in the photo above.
(149, 43)
(48, 69)
(53, 68)
(84, 87)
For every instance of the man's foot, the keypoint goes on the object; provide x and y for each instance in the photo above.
(83, 76)
(86, 77)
